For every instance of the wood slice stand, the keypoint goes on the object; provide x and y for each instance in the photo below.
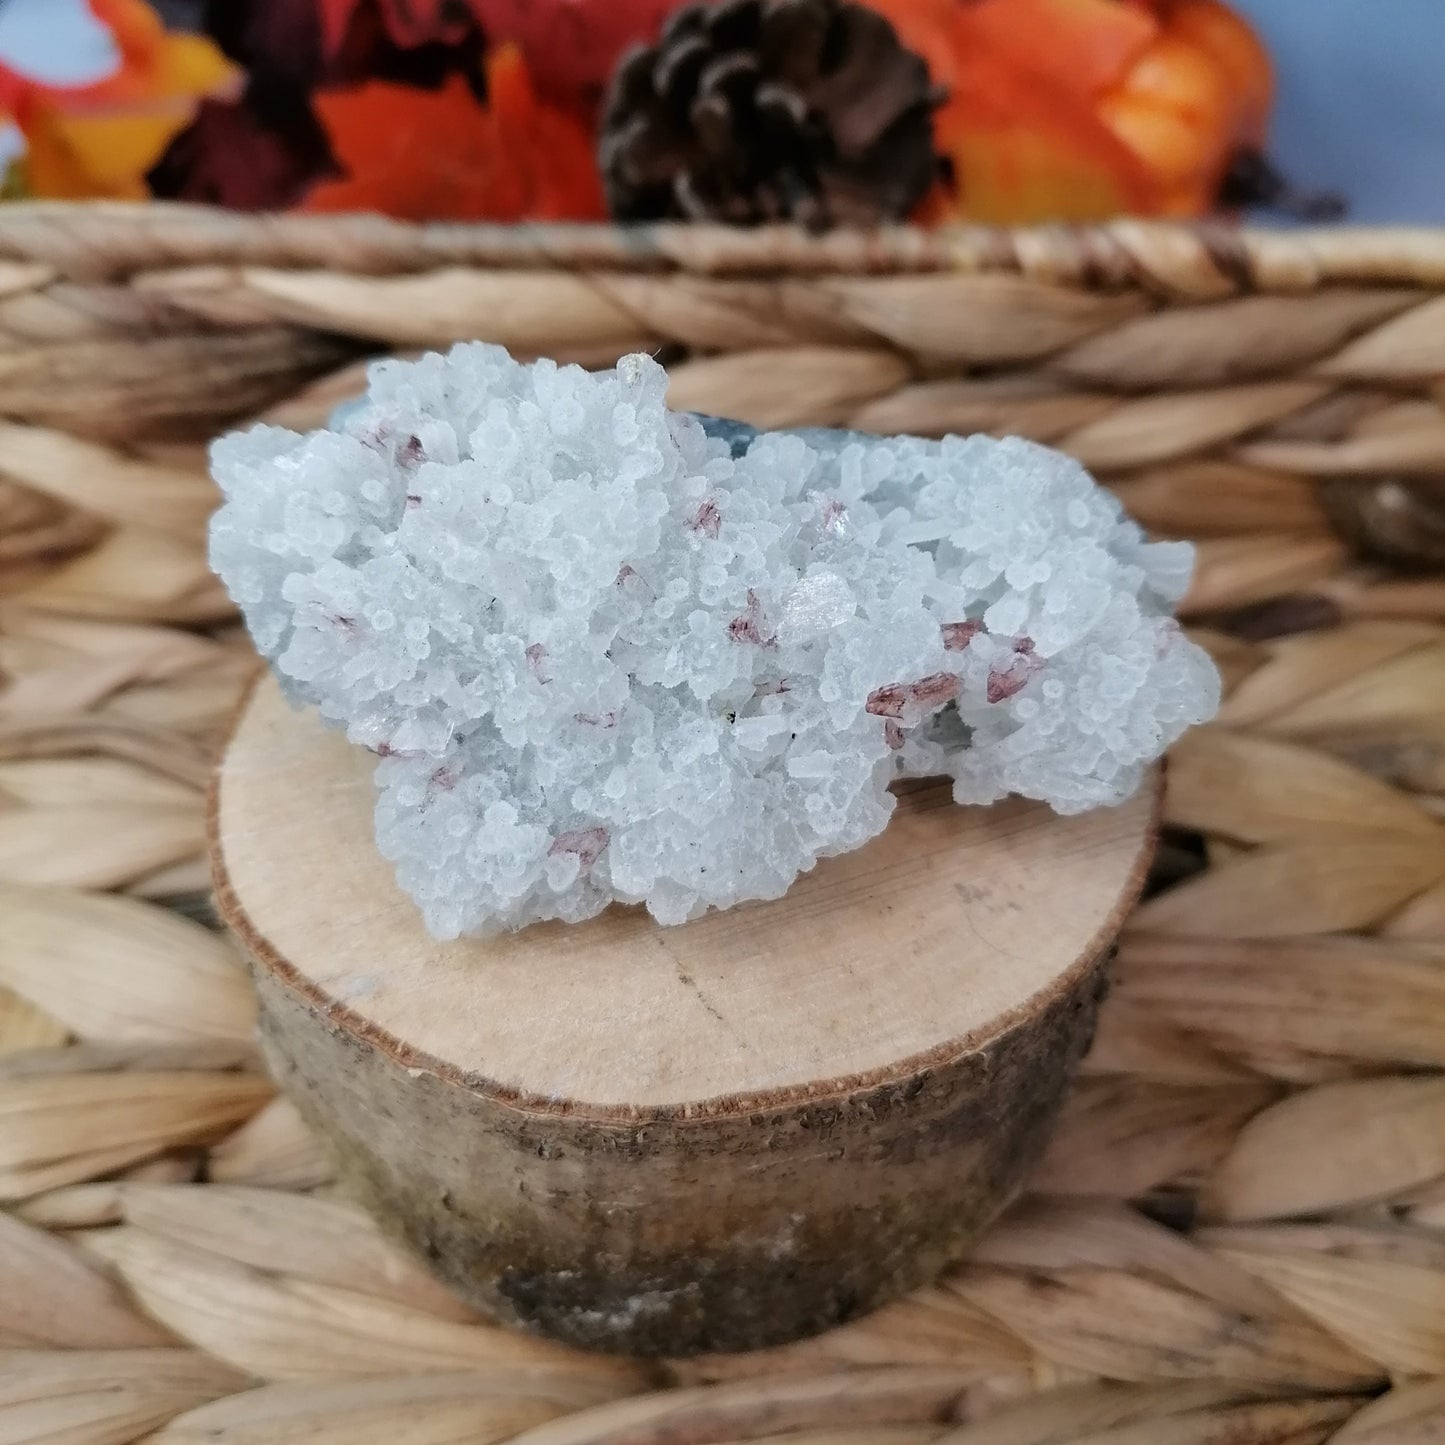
(672, 1140)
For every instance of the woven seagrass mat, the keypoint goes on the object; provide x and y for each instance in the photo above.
(1238, 1235)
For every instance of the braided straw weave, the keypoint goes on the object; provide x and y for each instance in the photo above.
(1238, 1236)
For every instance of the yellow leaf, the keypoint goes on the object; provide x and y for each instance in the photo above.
(72, 157)
(191, 65)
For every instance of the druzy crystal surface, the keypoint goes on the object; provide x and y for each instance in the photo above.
(603, 651)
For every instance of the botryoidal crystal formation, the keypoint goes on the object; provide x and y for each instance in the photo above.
(604, 651)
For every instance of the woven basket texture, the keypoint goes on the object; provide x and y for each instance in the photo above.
(1238, 1234)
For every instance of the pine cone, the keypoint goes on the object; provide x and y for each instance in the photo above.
(770, 110)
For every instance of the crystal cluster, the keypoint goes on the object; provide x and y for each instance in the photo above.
(604, 651)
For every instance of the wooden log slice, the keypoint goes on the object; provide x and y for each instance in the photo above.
(668, 1140)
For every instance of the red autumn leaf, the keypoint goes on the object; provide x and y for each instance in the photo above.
(278, 40)
(443, 155)
(244, 156)
(572, 46)
(409, 23)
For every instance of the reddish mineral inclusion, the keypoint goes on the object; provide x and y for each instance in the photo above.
(957, 635)
(586, 843)
(926, 695)
(707, 519)
(749, 627)
(1011, 678)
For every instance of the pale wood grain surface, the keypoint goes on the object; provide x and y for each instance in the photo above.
(924, 941)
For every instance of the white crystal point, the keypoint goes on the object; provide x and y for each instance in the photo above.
(604, 655)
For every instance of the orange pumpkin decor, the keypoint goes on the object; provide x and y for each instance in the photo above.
(1051, 109)
(1078, 109)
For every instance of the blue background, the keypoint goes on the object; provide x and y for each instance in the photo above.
(1361, 101)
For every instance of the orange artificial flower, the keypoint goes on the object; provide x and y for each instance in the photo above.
(99, 140)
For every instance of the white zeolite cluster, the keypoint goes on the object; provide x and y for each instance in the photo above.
(601, 657)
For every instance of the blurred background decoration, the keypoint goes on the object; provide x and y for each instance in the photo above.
(820, 111)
